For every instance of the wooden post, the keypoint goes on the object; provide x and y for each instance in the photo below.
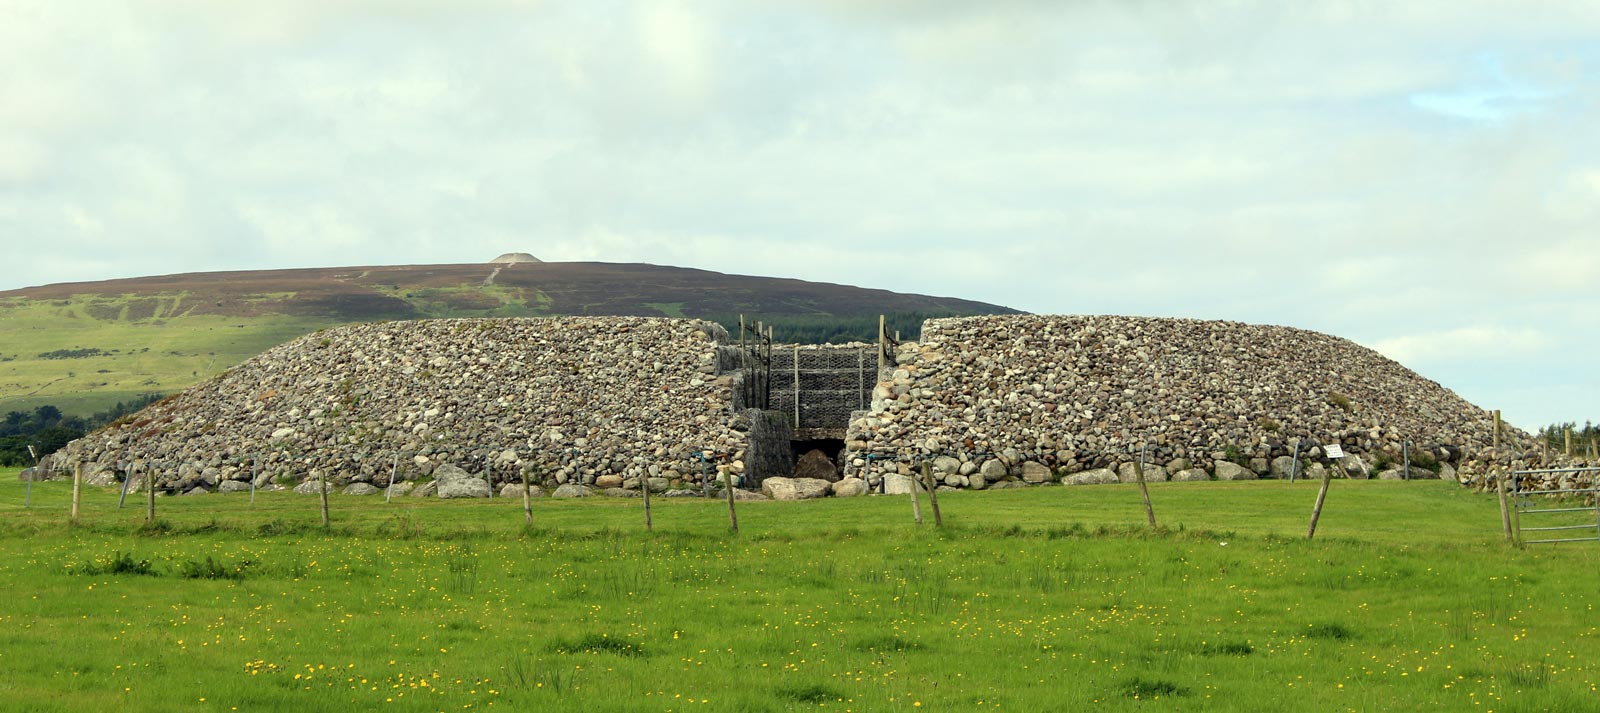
(644, 485)
(933, 494)
(1569, 442)
(1144, 491)
(527, 498)
(322, 479)
(882, 345)
(1505, 512)
(77, 488)
(149, 493)
(1322, 496)
(797, 387)
(916, 506)
(27, 496)
(1497, 434)
(733, 517)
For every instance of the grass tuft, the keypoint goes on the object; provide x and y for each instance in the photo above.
(1142, 688)
(599, 644)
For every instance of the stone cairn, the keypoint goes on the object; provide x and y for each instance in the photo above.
(619, 403)
(592, 401)
(1073, 399)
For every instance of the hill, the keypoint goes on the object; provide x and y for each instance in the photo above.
(85, 346)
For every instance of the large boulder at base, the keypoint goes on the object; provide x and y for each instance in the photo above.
(1191, 475)
(1283, 466)
(1033, 472)
(608, 481)
(1098, 476)
(794, 488)
(620, 493)
(816, 465)
(457, 483)
(311, 486)
(425, 490)
(993, 470)
(1447, 472)
(232, 486)
(1233, 471)
(1129, 473)
(849, 488)
(362, 489)
(896, 484)
(570, 490)
(402, 488)
(514, 490)
(741, 495)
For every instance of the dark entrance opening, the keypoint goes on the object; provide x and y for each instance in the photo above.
(830, 447)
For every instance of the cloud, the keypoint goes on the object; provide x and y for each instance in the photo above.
(1476, 343)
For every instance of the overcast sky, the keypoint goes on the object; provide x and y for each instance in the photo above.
(1422, 177)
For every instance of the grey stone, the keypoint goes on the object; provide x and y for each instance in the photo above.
(1233, 471)
(816, 465)
(310, 486)
(849, 488)
(1282, 466)
(993, 470)
(608, 481)
(1191, 475)
(1177, 465)
(620, 493)
(1129, 473)
(1098, 476)
(425, 490)
(976, 481)
(453, 482)
(896, 484)
(946, 465)
(794, 488)
(681, 493)
(1033, 472)
(570, 490)
(362, 489)
(197, 490)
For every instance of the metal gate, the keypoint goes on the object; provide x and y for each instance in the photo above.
(1566, 513)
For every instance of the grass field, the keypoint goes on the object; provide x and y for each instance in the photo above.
(1028, 600)
(86, 353)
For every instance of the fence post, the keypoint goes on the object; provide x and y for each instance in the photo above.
(488, 467)
(644, 486)
(933, 495)
(1569, 441)
(149, 492)
(727, 486)
(255, 474)
(527, 497)
(77, 488)
(322, 480)
(1516, 513)
(861, 378)
(882, 347)
(1144, 491)
(27, 496)
(916, 507)
(1405, 450)
(1505, 513)
(797, 387)
(123, 498)
(394, 470)
(1322, 496)
(1294, 468)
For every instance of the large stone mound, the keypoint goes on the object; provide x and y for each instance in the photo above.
(570, 399)
(1077, 393)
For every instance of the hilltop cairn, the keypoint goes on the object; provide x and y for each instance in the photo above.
(593, 401)
(1071, 399)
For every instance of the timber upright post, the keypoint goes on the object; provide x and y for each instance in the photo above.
(322, 480)
(527, 497)
(1569, 441)
(916, 507)
(149, 493)
(77, 488)
(644, 487)
(27, 495)
(882, 345)
(1322, 494)
(1144, 491)
(727, 487)
(797, 387)
(933, 495)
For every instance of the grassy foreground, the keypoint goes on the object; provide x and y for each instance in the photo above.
(1033, 600)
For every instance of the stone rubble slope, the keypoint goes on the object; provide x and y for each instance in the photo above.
(1082, 393)
(571, 399)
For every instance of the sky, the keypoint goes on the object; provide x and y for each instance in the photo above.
(1420, 177)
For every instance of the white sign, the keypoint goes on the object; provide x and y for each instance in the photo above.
(1333, 450)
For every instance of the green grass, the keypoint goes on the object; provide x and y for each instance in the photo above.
(1030, 600)
(147, 344)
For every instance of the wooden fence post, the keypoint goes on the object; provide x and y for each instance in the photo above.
(916, 507)
(77, 488)
(1569, 442)
(1322, 496)
(733, 516)
(1144, 491)
(797, 387)
(149, 493)
(527, 498)
(322, 479)
(1505, 512)
(644, 485)
(933, 495)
